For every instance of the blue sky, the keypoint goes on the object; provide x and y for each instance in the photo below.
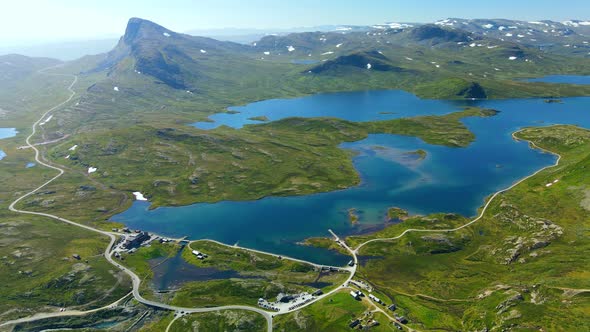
(28, 20)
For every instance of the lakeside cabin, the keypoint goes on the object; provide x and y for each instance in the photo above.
(199, 254)
(374, 298)
(356, 294)
(135, 240)
(354, 323)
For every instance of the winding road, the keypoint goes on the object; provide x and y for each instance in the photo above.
(136, 281)
(112, 236)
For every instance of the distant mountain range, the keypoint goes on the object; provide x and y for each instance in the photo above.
(154, 68)
(543, 33)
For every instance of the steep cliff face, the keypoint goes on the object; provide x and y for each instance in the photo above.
(474, 90)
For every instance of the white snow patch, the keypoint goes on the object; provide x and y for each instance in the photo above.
(328, 53)
(68, 157)
(508, 35)
(487, 26)
(203, 51)
(472, 45)
(501, 28)
(437, 66)
(496, 69)
(492, 46)
(267, 53)
(166, 34)
(512, 58)
(91, 169)
(548, 184)
(369, 66)
(409, 59)
(337, 46)
(520, 36)
(575, 23)
(290, 48)
(116, 88)
(539, 23)
(73, 148)
(139, 196)
(446, 22)
(398, 25)
(343, 29)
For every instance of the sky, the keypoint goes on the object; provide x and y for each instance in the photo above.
(26, 21)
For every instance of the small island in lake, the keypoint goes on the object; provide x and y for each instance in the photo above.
(232, 112)
(397, 214)
(553, 101)
(353, 216)
(419, 154)
(261, 118)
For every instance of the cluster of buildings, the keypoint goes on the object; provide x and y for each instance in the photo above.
(135, 240)
(132, 240)
(361, 284)
(357, 323)
(357, 295)
(200, 255)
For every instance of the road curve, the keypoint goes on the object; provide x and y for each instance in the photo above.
(107, 253)
(356, 250)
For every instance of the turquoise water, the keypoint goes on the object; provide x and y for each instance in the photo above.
(447, 180)
(570, 79)
(6, 133)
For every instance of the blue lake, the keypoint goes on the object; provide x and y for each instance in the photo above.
(353, 106)
(569, 79)
(447, 180)
(6, 133)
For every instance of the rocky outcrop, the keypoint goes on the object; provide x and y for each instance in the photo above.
(474, 90)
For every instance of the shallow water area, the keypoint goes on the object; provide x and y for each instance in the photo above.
(6, 133)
